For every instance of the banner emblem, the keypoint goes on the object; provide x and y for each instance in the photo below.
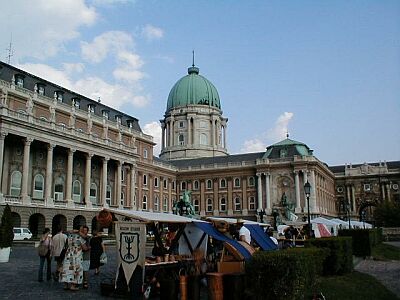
(129, 247)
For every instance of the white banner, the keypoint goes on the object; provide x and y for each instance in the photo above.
(131, 247)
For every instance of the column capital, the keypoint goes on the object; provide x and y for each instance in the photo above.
(28, 141)
(259, 174)
(71, 151)
(51, 146)
(3, 134)
(106, 159)
(89, 155)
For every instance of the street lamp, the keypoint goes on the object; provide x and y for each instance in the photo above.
(261, 214)
(307, 191)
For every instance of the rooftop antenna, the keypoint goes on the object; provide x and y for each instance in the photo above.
(193, 58)
(10, 51)
(99, 99)
(287, 134)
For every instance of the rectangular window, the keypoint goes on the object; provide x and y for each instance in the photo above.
(144, 179)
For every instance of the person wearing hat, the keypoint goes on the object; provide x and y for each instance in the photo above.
(244, 233)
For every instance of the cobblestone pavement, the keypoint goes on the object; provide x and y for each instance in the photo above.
(387, 272)
(19, 277)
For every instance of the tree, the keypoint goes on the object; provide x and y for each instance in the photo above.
(387, 214)
(6, 228)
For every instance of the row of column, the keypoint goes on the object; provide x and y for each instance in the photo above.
(68, 189)
(310, 179)
(168, 132)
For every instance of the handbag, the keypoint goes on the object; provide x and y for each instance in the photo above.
(42, 249)
(64, 250)
(103, 258)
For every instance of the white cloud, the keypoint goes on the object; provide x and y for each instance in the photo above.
(40, 30)
(111, 2)
(104, 44)
(132, 59)
(71, 68)
(254, 145)
(151, 32)
(113, 95)
(154, 129)
(280, 129)
(273, 135)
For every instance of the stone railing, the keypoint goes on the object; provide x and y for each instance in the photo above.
(12, 199)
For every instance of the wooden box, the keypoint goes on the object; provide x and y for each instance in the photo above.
(230, 266)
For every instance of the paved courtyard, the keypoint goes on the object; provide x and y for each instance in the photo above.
(19, 277)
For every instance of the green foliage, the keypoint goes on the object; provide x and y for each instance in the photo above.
(340, 258)
(6, 228)
(363, 240)
(289, 274)
(387, 213)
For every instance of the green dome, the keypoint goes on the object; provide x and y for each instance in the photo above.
(193, 89)
(287, 148)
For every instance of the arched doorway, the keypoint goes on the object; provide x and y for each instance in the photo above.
(59, 221)
(36, 224)
(16, 219)
(79, 221)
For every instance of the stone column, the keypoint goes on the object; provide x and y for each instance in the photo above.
(229, 197)
(383, 192)
(268, 193)
(88, 173)
(162, 136)
(168, 134)
(225, 132)
(3, 135)
(313, 198)
(172, 141)
(118, 181)
(26, 172)
(348, 194)
(259, 192)
(388, 192)
(68, 188)
(213, 132)
(194, 139)
(297, 187)
(353, 199)
(245, 208)
(104, 172)
(133, 187)
(189, 132)
(49, 175)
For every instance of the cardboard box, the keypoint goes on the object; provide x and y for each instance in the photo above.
(230, 266)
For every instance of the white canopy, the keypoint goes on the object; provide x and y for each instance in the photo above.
(149, 217)
(358, 224)
(332, 226)
(340, 222)
(234, 221)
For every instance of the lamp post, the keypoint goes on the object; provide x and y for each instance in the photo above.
(261, 214)
(307, 191)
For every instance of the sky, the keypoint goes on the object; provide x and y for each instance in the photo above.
(326, 72)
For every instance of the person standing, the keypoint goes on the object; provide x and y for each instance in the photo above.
(59, 242)
(72, 271)
(83, 232)
(45, 242)
(96, 250)
(244, 233)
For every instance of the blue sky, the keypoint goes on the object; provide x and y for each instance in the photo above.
(326, 71)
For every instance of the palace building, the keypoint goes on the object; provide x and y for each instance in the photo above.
(64, 156)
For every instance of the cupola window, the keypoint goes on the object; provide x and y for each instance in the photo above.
(76, 102)
(19, 80)
(59, 96)
(40, 89)
(118, 118)
(105, 113)
(91, 108)
(203, 139)
(181, 140)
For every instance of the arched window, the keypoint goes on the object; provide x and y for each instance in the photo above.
(209, 184)
(181, 140)
(76, 191)
(251, 181)
(238, 204)
(144, 204)
(222, 183)
(196, 204)
(252, 203)
(38, 186)
(108, 194)
(93, 193)
(156, 204)
(155, 181)
(203, 139)
(196, 185)
(122, 199)
(222, 204)
(165, 205)
(209, 205)
(183, 185)
(15, 186)
(59, 189)
(237, 182)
